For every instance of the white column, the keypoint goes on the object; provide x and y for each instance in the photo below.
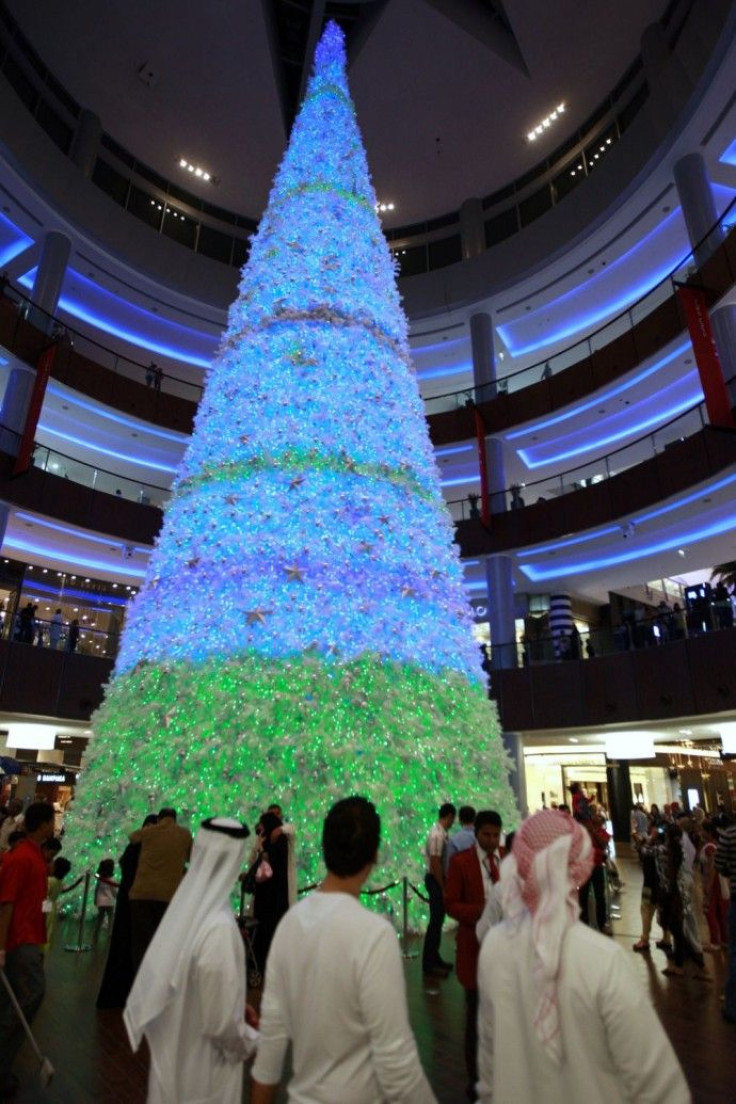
(499, 568)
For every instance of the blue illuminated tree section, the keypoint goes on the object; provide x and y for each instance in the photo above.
(303, 632)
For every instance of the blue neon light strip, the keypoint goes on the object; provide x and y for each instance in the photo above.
(657, 419)
(635, 552)
(109, 452)
(71, 592)
(727, 481)
(107, 324)
(728, 157)
(570, 542)
(13, 241)
(417, 350)
(78, 533)
(603, 309)
(460, 480)
(55, 555)
(601, 396)
(452, 450)
(119, 419)
(438, 373)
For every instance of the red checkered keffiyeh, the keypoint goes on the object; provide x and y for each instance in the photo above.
(552, 856)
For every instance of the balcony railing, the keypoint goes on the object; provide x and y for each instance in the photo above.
(592, 472)
(653, 630)
(29, 329)
(546, 370)
(97, 479)
(40, 632)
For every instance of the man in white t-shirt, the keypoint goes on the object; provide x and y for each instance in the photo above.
(335, 986)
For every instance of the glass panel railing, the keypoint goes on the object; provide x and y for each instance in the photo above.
(66, 636)
(656, 629)
(97, 479)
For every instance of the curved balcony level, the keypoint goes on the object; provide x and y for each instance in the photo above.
(683, 678)
(682, 464)
(609, 354)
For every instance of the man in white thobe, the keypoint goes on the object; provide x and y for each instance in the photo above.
(189, 995)
(335, 987)
(563, 1018)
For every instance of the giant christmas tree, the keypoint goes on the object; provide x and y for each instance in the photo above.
(302, 633)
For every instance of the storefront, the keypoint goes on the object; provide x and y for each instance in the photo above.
(686, 772)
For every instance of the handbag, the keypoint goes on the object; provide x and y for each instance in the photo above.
(264, 871)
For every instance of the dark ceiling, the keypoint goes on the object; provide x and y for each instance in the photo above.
(445, 90)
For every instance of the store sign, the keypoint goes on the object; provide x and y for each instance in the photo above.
(51, 777)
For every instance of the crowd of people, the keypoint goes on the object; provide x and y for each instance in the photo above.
(684, 859)
(52, 633)
(553, 1009)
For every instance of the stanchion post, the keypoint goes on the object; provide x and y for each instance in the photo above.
(79, 946)
(405, 952)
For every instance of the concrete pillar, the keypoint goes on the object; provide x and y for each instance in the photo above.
(49, 278)
(500, 588)
(706, 234)
(517, 775)
(15, 407)
(499, 568)
(86, 142)
(620, 799)
(698, 205)
(472, 229)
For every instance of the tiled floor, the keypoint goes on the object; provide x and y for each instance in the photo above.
(94, 1065)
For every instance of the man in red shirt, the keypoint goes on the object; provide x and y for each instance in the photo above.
(22, 934)
(469, 880)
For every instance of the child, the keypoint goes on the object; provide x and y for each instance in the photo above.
(60, 869)
(105, 894)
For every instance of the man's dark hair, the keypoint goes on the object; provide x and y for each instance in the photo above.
(487, 816)
(446, 809)
(52, 846)
(62, 867)
(167, 811)
(350, 836)
(466, 814)
(37, 814)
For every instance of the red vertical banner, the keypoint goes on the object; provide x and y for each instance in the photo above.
(717, 402)
(480, 433)
(43, 371)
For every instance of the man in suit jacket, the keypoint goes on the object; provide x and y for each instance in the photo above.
(470, 877)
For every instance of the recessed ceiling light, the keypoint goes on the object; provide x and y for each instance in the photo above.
(572, 740)
(680, 551)
(197, 170)
(546, 123)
